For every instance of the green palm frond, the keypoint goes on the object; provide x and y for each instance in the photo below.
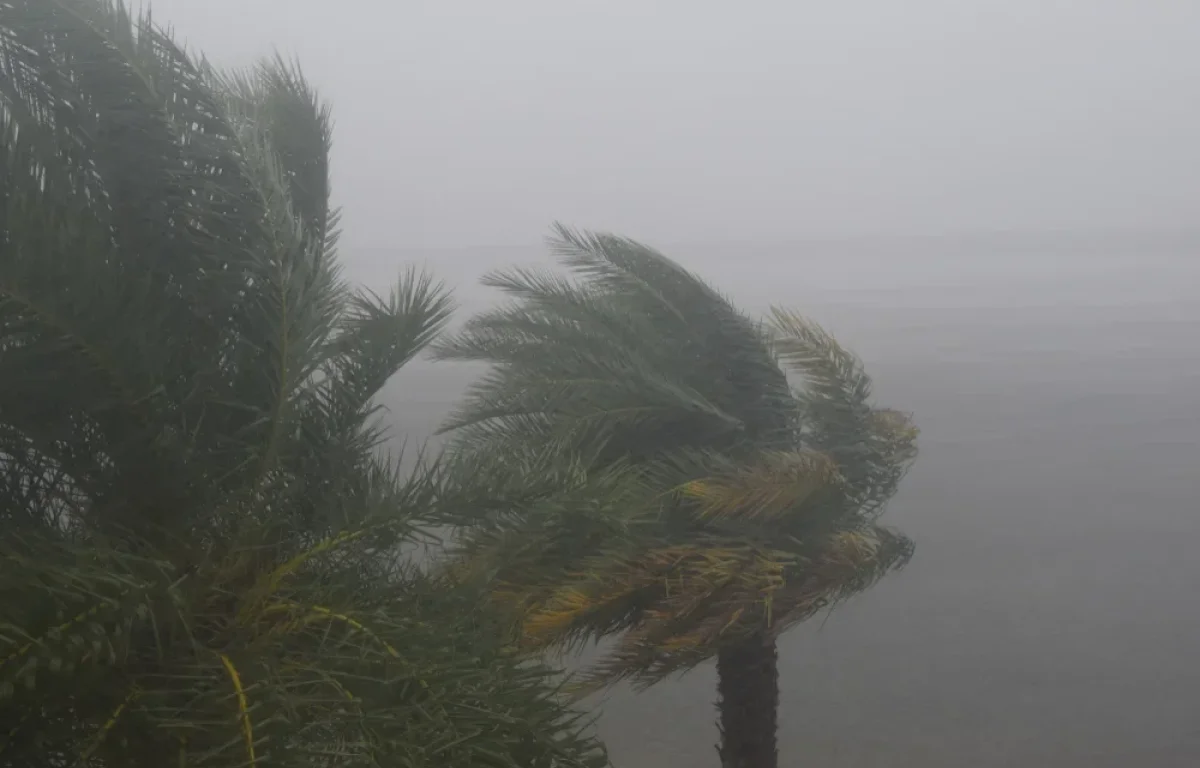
(829, 371)
(201, 563)
(613, 363)
(276, 99)
(706, 496)
(688, 321)
(875, 445)
(308, 668)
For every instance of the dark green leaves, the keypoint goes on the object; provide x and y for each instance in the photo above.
(200, 563)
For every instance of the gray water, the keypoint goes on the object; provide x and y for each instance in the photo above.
(1049, 617)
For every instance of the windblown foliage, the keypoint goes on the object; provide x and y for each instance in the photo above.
(195, 567)
(666, 480)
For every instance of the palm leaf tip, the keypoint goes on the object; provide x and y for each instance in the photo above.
(897, 432)
(812, 352)
(847, 563)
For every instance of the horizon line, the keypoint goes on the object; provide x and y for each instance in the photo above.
(815, 238)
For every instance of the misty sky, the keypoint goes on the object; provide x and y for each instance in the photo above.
(477, 122)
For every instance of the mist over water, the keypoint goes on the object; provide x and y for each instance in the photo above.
(1048, 618)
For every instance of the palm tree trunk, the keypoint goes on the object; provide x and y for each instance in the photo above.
(748, 688)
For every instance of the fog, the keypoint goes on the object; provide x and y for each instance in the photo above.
(991, 201)
(476, 122)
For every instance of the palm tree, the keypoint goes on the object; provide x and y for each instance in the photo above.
(198, 564)
(650, 471)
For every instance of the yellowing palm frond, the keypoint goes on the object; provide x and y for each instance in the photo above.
(846, 563)
(774, 486)
(896, 433)
(683, 573)
(239, 690)
(680, 587)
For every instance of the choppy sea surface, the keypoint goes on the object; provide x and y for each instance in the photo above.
(1051, 615)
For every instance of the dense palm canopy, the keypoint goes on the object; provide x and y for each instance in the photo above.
(194, 569)
(676, 472)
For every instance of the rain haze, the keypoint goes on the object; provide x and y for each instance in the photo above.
(993, 202)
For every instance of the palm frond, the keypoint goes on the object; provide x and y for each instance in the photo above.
(778, 484)
(202, 560)
(874, 446)
(768, 590)
(836, 388)
(845, 563)
(276, 98)
(690, 321)
(572, 375)
(731, 483)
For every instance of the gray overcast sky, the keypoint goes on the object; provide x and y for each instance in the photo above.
(473, 122)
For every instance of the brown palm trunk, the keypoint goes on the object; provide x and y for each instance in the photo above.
(748, 688)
